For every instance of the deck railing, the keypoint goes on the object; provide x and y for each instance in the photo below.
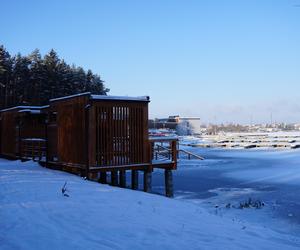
(163, 150)
(32, 148)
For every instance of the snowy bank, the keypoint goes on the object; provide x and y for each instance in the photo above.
(35, 215)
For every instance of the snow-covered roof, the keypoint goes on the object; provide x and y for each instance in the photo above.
(69, 96)
(31, 111)
(120, 98)
(105, 97)
(23, 107)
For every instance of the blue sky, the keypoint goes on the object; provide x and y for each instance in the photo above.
(225, 61)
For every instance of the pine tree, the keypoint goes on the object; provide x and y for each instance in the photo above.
(51, 63)
(38, 76)
(33, 80)
(20, 87)
(5, 76)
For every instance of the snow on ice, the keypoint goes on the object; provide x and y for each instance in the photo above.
(34, 214)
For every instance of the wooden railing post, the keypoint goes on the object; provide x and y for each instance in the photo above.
(174, 152)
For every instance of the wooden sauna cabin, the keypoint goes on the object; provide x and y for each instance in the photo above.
(22, 132)
(89, 131)
(94, 135)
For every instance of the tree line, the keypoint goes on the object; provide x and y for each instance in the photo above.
(33, 79)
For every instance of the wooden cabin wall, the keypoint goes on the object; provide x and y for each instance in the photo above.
(52, 136)
(70, 129)
(119, 133)
(9, 134)
(33, 126)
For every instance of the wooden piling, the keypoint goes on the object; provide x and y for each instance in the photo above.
(114, 178)
(169, 183)
(147, 181)
(103, 178)
(134, 179)
(122, 177)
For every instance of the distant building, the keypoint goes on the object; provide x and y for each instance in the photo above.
(183, 125)
(188, 126)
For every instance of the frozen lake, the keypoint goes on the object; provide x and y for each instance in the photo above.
(231, 176)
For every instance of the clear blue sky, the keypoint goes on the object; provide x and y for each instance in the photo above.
(224, 61)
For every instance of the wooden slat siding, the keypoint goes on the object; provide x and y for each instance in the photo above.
(127, 136)
(138, 135)
(111, 137)
(121, 153)
(103, 135)
(133, 135)
(100, 136)
(92, 138)
(70, 129)
(146, 153)
(130, 134)
(121, 135)
(117, 139)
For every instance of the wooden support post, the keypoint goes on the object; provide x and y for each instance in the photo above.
(134, 179)
(103, 178)
(122, 177)
(169, 183)
(147, 181)
(114, 178)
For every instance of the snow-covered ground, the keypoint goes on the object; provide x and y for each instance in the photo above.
(35, 215)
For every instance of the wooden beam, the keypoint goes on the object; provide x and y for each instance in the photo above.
(141, 166)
